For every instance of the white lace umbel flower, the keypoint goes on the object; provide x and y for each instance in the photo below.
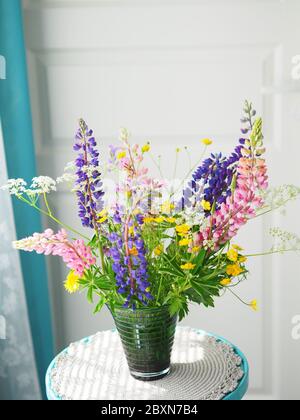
(67, 177)
(15, 186)
(284, 241)
(124, 135)
(279, 197)
(42, 185)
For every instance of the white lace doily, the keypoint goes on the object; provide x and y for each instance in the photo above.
(203, 368)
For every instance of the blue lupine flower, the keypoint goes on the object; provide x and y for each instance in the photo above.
(130, 271)
(212, 180)
(89, 184)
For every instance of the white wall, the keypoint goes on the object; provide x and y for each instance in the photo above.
(175, 72)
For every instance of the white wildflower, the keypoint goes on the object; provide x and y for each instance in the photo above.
(15, 186)
(66, 177)
(279, 197)
(284, 241)
(42, 185)
(124, 135)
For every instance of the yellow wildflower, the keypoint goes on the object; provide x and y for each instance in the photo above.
(131, 230)
(159, 219)
(102, 213)
(72, 282)
(121, 155)
(134, 252)
(188, 266)
(148, 220)
(184, 242)
(195, 249)
(254, 305)
(171, 220)
(207, 142)
(167, 207)
(183, 230)
(159, 250)
(225, 282)
(178, 150)
(146, 148)
(102, 220)
(102, 216)
(243, 259)
(206, 205)
(237, 247)
(234, 270)
(232, 255)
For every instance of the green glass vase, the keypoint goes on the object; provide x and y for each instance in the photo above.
(147, 336)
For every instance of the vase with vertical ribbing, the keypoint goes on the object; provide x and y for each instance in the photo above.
(147, 337)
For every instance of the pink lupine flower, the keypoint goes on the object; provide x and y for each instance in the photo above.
(76, 255)
(241, 206)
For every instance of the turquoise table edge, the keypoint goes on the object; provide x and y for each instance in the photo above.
(237, 395)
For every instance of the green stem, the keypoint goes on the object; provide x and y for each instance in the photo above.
(234, 294)
(189, 173)
(272, 253)
(159, 290)
(50, 215)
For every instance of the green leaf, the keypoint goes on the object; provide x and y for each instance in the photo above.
(199, 260)
(173, 265)
(100, 304)
(90, 294)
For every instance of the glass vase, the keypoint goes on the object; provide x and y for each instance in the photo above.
(147, 336)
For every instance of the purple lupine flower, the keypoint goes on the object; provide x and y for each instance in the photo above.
(89, 184)
(130, 270)
(212, 180)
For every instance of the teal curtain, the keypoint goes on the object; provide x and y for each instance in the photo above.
(20, 158)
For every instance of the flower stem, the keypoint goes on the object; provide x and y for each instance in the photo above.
(281, 251)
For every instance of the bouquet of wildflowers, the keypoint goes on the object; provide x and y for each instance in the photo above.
(150, 244)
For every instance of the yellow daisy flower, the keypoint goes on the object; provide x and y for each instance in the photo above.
(225, 282)
(254, 305)
(243, 259)
(237, 247)
(159, 219)
(206, 142)
(206, 205)
(234, 270)
(184, 242)
(159, 250)
(121, 155)
(195, 249)
(171, 220)
(72, 282)
(232, 255)
(183, 229)
(146, 148)
(148, 220)
(188, 266)
(102, 220)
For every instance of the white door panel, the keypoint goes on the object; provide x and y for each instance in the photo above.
(174, 72)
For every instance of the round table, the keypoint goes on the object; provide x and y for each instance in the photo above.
(204, 367)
